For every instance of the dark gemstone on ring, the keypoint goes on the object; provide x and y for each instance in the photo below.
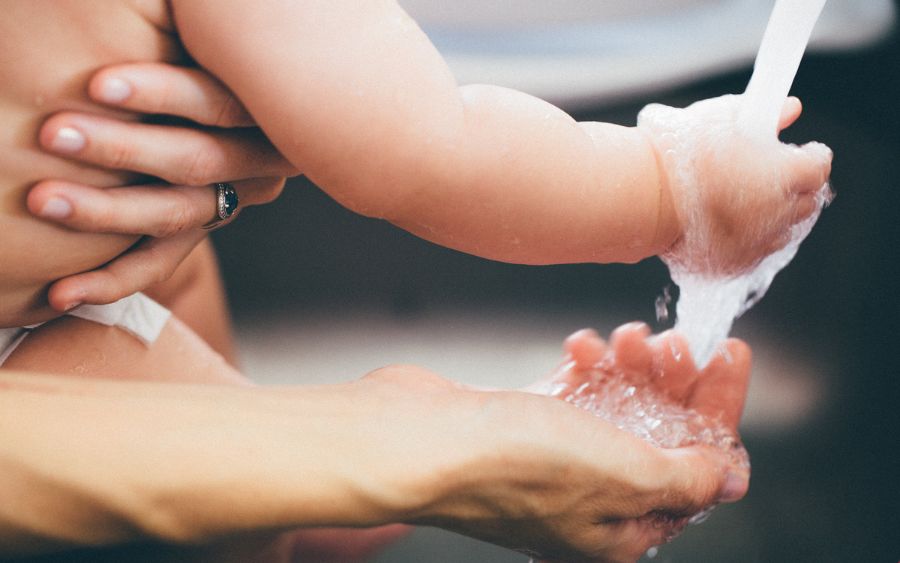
(231, 201)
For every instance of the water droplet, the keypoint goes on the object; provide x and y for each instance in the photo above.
(662, 305)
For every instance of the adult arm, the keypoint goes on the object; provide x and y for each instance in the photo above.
(94, 462)
(214, 141)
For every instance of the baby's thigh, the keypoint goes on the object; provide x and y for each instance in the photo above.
(196, 295)
(77, 347)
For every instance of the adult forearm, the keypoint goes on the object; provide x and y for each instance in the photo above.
(90, 462)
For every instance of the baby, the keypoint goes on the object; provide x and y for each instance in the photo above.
(355, 96)
(383, 128)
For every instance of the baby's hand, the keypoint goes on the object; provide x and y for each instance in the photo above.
(736, 197)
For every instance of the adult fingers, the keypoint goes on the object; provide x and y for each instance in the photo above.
(585, 348)
(631, 350)
(722, 388)
(158, 211)
(151, 261)
(790, 112)
(677, 372)
(157, 88)
(179, 155)
(696, 478)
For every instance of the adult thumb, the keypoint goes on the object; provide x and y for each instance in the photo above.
(697, 478)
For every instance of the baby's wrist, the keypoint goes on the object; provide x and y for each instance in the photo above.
(668, 227)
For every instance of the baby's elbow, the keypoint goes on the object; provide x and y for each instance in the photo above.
(400, 189)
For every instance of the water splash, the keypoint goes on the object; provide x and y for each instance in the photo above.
(708, 306)
(649, 414)
(662, 305)
(697, 144)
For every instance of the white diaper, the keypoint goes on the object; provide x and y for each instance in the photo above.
(137, 314)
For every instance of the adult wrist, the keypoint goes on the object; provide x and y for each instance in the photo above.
(421, 440)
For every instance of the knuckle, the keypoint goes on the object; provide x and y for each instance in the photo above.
(202, 168)
(179, 214)
(116, 289)
(176, 220)
(693, 492)
(231, 112)
(157, 267)
(118, 155)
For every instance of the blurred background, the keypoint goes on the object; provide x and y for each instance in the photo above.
(321, 294)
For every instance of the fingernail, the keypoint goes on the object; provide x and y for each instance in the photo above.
(68, 139)
(114, 91)
(56, 208)
(734, 489)
(71, 306)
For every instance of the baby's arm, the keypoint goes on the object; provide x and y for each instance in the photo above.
(355, 95)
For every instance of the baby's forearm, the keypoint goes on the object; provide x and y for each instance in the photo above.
(528, 184)
(359, 100)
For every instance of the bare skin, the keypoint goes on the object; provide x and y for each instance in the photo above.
(57, 69)
(98, 437)
(466, 444)
(541, 187)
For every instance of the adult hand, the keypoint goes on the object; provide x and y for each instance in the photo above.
(219, 145)
(663, 364)
(659, 376)
(538, 475)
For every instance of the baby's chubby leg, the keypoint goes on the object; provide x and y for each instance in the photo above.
(196, 295)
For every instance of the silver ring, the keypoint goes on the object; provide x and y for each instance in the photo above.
(226, 206)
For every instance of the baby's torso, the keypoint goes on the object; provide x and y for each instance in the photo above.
(48, 51)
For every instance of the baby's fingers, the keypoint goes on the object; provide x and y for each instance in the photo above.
(807, 167)
(790, 112)
(806, 205)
